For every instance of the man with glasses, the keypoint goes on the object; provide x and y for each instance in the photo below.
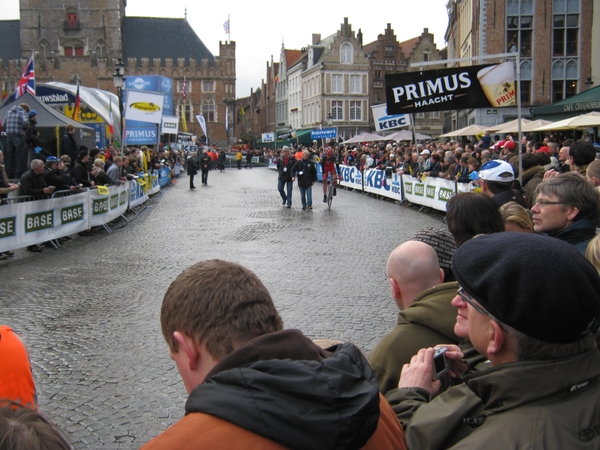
(541, 385)
(567, 207)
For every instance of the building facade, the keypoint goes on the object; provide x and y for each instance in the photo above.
(553, 37)
(80, 42)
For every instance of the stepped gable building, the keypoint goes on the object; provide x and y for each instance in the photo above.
(388, 56)
(80, 42)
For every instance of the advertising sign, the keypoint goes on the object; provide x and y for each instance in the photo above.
(268, 137)
(170, 125)
(384, 121)
(325, 133)
(144, 106)
(486, 86)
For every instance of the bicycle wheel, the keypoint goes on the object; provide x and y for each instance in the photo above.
(329, 195)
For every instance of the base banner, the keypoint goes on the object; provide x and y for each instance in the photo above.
(29, 223)
(431, 192)
(106, 208)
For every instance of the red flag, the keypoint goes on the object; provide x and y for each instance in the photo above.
(77, 107)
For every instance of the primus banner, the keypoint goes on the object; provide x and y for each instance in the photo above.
(457, 88)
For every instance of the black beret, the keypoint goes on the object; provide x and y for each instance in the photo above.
(538, 285)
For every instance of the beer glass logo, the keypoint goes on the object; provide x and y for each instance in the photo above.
(498, 84)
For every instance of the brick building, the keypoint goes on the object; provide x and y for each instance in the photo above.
(80, 42)
(555, 48)
(388, 56)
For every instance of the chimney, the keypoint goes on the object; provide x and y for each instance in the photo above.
(316, 38)
(359, 37)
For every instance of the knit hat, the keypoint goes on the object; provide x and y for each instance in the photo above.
(543, 149)
(506, 273)
(442, 242)
(32, 113)
(497, 170)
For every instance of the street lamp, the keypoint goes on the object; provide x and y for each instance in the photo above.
(118, 80)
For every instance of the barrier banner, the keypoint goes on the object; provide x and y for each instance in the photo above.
(164, 176)
(273, 163)
(432, 192)
(137, 196)
(106, 208)
(29, 223)
(377, 183)
(350, 176)
(155, 185)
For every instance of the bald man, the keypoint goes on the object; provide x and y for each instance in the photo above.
(426, 315)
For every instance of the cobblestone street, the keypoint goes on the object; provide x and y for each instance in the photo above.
(89, 312)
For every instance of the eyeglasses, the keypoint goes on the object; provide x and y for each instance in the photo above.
(471, 301)
(544, 203)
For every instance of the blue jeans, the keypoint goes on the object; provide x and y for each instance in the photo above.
(306, 193)
(15, 156)
(289, 186)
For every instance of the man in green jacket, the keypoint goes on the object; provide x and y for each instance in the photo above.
(541, 387)
(426, 316)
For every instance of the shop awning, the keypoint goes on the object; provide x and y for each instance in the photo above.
(582, 103)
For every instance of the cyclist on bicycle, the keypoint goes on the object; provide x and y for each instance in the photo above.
(328, 164)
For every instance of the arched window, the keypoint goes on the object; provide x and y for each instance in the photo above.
(208, 109)
(346, 53)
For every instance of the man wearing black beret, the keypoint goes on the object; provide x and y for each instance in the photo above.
(541, 385)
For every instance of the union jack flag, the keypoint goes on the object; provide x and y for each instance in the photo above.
(27, 82)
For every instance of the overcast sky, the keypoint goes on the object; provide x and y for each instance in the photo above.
(259, 28)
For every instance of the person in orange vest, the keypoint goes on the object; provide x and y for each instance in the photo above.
(16, 379)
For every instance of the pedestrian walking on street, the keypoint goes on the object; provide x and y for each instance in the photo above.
(249, 159)
(284, 167)
(306, 172)
(238, 159)
(205, 162)
(192, 169)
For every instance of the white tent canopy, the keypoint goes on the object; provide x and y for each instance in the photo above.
(365, 137)
(588, 120)
(471, 130)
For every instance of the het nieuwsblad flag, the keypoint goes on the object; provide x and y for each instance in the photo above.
(144, 106)
(485, 86)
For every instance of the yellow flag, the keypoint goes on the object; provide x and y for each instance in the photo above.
(103, 190)
(183, 121)
(57, 135)
(141, 181)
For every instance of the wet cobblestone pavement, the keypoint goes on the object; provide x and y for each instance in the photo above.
(89, 312)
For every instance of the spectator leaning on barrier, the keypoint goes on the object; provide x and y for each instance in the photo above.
(426, 316)
(33, 182)
(541, 388)
(53, 176)
(100, 177)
